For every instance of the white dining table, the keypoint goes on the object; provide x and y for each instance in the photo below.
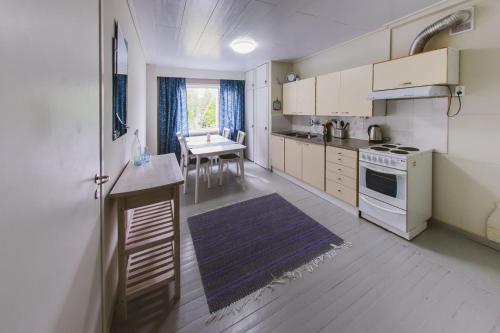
(218, 145)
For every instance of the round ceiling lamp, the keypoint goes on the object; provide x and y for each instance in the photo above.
(243, 45)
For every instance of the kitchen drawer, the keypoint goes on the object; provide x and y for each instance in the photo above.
(342, 192)
(345, 161)
(334, 152)
(341, 169)
(341, 179)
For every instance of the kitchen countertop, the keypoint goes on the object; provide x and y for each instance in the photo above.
(350, 144)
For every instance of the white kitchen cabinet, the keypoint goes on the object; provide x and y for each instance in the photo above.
(293, 158)
(257, 114)
(250, 80)
(299, 97)
(355, 85)
(249, 122)
(305, 161)
(278, 152)
(328, 94)
(428, 68)
(261, 75)
(261, 126)
(342, 174)
(313, 164)
(306, 96)
(290, 98)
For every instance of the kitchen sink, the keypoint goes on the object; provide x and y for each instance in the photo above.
(300, 135)
(306, 136)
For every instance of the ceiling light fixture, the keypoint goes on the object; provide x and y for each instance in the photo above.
(243, 45)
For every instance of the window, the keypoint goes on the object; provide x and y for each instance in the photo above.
(203, 108)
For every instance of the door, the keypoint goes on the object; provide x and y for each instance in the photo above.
(261, 76)
(249, 123)
(293, 158)
(313, 165)
(328, 94)
(261, 148)
(355, 85)
(50, 226)
(306, 96)
(278, 152)
(290, 98)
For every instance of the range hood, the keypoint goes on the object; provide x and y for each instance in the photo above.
(409, 93)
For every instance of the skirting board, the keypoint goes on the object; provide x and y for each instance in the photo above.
(319, 193)
(466, 234)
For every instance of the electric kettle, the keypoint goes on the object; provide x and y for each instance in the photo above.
(375, 133)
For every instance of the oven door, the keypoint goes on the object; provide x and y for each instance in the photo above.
(382, 183)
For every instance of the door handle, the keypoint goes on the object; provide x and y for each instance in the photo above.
(100, 180)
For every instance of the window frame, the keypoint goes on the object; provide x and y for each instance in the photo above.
(214, 130)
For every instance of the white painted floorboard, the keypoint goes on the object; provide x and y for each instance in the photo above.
(439, 282)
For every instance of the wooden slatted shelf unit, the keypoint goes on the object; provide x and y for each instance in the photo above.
(148, 228)
(150, 225)
(149, 269)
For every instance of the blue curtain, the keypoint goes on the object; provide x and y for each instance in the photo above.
(119, 105)
(232, 106)
(172, 114)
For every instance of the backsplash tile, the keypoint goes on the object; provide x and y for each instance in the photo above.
(417, 122)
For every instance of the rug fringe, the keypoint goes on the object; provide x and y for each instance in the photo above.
(287, 277)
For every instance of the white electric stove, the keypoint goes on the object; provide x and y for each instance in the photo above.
(395, 187)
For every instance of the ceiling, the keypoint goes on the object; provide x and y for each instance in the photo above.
(197, 33)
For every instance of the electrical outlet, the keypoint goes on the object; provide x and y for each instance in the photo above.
(459, 90)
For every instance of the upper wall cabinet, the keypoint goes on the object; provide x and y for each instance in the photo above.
(328, 94)
(355, 85)
(261, 74)
(434, 67)
(290, 98)
(299, 97)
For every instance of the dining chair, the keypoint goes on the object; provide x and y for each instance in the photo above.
(226, 132)
(226, 158)
(189, 163)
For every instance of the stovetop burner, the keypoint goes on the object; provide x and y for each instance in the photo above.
(390, 146)
(380, 148)
(409, 148)
(400, 152)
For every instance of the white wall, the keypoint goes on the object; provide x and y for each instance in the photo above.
(153, 72)
(117, 153)
(465, 181)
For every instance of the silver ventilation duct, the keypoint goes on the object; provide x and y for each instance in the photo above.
(446, 22)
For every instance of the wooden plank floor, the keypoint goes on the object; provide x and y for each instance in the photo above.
(439, 282)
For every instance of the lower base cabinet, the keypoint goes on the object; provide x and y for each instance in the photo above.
(342, 174)
(278, 152)
(313, 165)
(330, 169)
(305, 161)
(293, 158)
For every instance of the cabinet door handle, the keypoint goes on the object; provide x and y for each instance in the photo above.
(406, 83)
(339, 191)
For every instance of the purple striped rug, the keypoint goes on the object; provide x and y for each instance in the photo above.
(243, 247)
